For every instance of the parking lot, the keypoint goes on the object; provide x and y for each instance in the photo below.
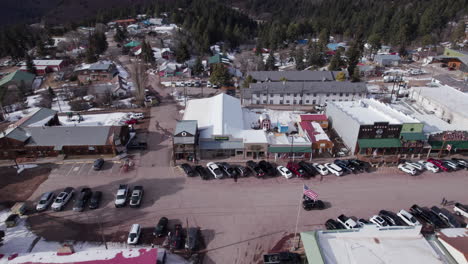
(238, 220)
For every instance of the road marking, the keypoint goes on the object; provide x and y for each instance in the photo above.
(69, 171)
(90, 170)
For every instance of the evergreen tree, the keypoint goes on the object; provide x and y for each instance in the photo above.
(51, 93)
(354, 55)
(323, 39)
(120, 35)
(90, 55)
(40, 48)
(220, 75)
(300, 59)
(270, 62)
(147, 52)
(356, 77)
(314, 56)
(336, 62)
(248, 80)
(198, 67)
(30, 65)
(182, 53)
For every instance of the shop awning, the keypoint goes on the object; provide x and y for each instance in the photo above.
(295, 149)
(379, 143)
(453, 144)
(413, 136)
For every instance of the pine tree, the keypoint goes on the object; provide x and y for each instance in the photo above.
(197, 67)
(300, 60)
(147, 52)
(90, 55)
(182, 53)
(270, 62)
(30, 65)
(336, 62)
(356, 77)
(220, 75)
(354, 55)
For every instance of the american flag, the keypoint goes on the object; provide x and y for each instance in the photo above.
(309, 193)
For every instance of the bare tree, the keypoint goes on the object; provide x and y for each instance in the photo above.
(139, 77)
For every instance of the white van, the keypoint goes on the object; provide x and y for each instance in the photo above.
(333, 168)
(134, 234)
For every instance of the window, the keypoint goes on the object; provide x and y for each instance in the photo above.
(281, 101)
(287, 101)
(239, 152)
(249, 154)
(339, 100)
(264, 94)
(341, 94)
(294, 102)
(328, 95)
(346, 94)
(334, 93)
(271, 101)
(264, 101)
(257, 102)
(315, 94)
(307, 101)
(314, 101)
(307, 94)
(287, 94)
(333, 100)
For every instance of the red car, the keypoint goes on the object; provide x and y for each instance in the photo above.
(131, 122)
(438, 163)
(296, 169)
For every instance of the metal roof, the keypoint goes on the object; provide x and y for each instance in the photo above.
(16, 133)
(306, 87)
(41, 114)
(59, 136)
(17, 76)
(189, 126)
(309, 76)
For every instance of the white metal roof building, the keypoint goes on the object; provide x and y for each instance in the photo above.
(221, 126)
(369, 245)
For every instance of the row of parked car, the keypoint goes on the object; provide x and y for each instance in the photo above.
(176, 239)
(264, 168)
(435, 216)
(433, 165)
(88, 198)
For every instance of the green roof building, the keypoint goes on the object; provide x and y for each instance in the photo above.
(133, 44)
(15, 80)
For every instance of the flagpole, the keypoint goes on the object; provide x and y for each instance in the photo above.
(297, 218)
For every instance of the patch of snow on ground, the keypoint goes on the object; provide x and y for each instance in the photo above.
(17, 115)
(95, 120)
(22, 167)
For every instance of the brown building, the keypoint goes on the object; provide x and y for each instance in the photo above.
(313, 126)
(96, 72)
(40, 134)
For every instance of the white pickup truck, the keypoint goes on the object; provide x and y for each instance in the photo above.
(121, 197)
(460, 209)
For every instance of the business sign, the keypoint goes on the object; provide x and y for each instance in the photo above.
(221, 138)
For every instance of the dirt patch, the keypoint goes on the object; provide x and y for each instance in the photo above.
(19, 187)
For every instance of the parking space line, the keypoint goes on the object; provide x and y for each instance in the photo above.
(80, 170)
(69, 170)
(112, 169)
(89, 171)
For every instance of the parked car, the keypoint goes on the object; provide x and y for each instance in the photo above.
(429, 166)
(296, 169)
(44, 202)
(137, 196)
(346, 166)
(379, 221)
(408, 218)
(215, 170)
(391, 218)
(347, 222)
(438, 163)
(363, 165)
(415, 165)
(313, 205)
(334, 169)
(188, 170)
(405, 168)
(320, 169)
(255, 168)
(447, 217)
(284, 172)
(451, 164)
(134, 234)
(137, 116)
(267, 168)
(12, 220)
(97, 165)
(361, 222)
(193, 238)
(242, 171)
(121, 196)
(427, 216)
(462, 162)
(461, 210)
(204, 174)
(62, 199)
(308, 168)
(282, 257)
(95, 200)
(83, 198)
(131, 121)
(161, 228)
(176, 237)
(332, 224)
(227, 169)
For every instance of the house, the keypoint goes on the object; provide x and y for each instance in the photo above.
(45, 66)
(221, 129)
(456, 59)
(219, 58)
(124, 22)
(293, 76)
(41, 134)
(185, 140)
(169, 69)
(367, 70)
(103, 71)
(302, 93)
(133, 44)
(370, 244)
(336, 46)
(423, 55)
(384, 49)
(455, 241)
(17, 80)
(320, 141)
(386, 60)
(369, 127)
(321, 119)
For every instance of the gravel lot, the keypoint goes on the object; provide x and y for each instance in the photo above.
(239, 221)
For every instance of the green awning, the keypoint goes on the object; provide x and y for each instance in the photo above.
(311, 247)
(413, 136)
(454, 144)
(295, 149)
(379, 143)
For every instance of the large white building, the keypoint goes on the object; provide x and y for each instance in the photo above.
(221, 129)
(302, 93)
